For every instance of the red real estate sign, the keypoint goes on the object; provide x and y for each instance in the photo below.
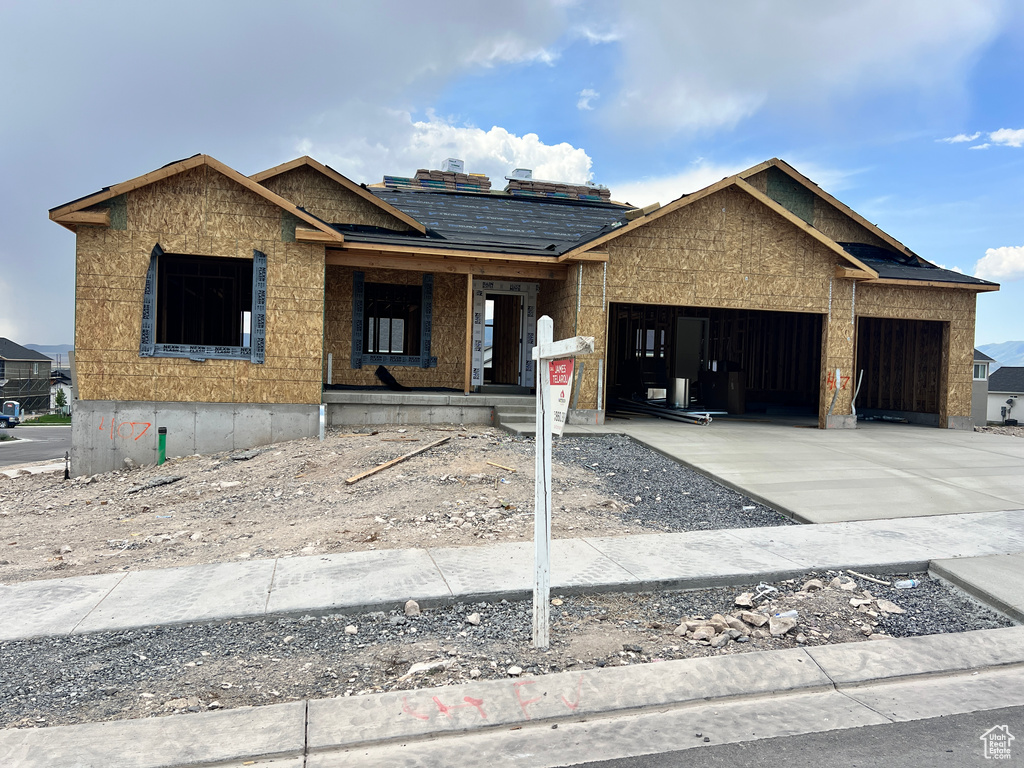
(560, 377)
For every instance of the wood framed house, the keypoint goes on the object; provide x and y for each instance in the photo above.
(230, 308)
(24, 377)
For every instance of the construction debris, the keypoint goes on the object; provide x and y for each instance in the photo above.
(499, 466)
(868, 578)
(155, 482)
(386, 464)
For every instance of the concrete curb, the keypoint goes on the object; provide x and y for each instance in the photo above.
(995, 580)
(330, 728)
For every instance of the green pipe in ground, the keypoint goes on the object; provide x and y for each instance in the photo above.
(161, 450)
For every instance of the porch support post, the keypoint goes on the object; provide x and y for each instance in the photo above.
(469, 334)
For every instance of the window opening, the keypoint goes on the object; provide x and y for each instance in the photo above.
(204, 306)
(392, 315)
(392, 323)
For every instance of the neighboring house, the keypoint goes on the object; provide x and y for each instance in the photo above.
(24, 376)
(1006, 394)
(60, 381)
(979, 388)
(223, 306)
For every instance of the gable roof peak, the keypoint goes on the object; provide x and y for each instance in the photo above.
(342, 180)
(62, 214)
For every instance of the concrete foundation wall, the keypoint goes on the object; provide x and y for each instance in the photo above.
(104, 433)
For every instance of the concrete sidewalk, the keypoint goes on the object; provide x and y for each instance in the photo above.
(876, 471)
(351, 582)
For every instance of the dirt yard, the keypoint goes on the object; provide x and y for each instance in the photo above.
(291, 499)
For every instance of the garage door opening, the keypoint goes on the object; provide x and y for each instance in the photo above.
(902, 365)
(732, 360)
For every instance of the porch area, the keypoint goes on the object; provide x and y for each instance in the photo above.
(366, 406)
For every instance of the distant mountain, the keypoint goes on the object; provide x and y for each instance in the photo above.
(1006, 353)
(52, 350)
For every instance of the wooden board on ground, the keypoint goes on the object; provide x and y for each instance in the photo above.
(386, 464)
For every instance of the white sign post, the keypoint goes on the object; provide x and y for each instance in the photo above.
(549, 400)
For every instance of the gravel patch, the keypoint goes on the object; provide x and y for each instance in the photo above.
(164, 671)
(661, 493)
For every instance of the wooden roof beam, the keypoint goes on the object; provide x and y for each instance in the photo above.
(306, 235)
(853, 274)
(979, 287)
(71, 220)
(433, 253)
(598, 256)
(496, 269)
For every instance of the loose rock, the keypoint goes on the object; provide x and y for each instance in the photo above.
(780, 625)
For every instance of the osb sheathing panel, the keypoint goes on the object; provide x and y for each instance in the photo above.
(323, 197)
(204, 213)
(448, 337)
(559, 298)
(828, 219)
(727, 251)
(730, 251)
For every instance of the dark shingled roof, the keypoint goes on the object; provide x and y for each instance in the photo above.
(1007, 379)
(11, 351)
(494, 222)
(897, 266)
(981, 357)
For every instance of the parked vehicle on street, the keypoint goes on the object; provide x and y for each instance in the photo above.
(10, 417)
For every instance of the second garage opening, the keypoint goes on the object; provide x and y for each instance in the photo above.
(733, 360)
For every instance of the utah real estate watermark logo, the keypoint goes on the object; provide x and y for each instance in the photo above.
(997, 742)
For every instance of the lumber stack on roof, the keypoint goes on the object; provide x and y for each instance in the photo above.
(441, 180)
(532, 188)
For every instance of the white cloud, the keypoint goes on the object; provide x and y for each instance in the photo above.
(402, 145)
(510, 49)
(587, 95)
(1006, 263)
(1008, 137)
(595, 37)
(665, 189)
(699, 66)
(960, 138)
(1004, 137)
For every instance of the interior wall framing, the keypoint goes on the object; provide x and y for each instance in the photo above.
(955, 309)
(901, 361)
(778, 354)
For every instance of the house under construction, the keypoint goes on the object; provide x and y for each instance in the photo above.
(229, 308)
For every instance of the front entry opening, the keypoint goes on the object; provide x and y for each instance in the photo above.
(503, 335)
(732, 360)
(902, 364)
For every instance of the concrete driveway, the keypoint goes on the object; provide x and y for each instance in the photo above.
(823, 476)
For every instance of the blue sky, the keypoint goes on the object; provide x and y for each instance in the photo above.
(653, 99)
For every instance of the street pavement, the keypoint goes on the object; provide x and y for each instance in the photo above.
(34, 444)
(951, 741)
